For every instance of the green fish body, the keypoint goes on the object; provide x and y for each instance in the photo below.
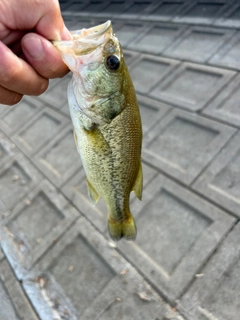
(107, 123)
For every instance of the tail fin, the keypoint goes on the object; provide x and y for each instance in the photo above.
(122, 228)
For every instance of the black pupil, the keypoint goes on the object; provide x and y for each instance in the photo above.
(112, 62)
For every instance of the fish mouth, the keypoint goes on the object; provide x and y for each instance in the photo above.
(92, 33)
(85, 41)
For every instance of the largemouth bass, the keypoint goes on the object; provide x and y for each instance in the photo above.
(107, 123)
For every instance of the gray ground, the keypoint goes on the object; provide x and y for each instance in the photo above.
(57, 261)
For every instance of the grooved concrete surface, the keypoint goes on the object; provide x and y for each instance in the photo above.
(57, 261)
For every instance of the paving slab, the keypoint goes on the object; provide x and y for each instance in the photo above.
(205, 82)
(1, 255)
(64, 4)
(123, 306)
(54, 160)
(228, 55)
(68, 269)
(7, 149)
(152, 111)
(17, 177)
(56, 95)
(129, 31)
(215, 293)
(3, 108)
(130, 56)
(83, 264)
(139, 7)
(149, 70)
(70, 21)
(14, 303)
(177, 233)
(76, 6)
(157, 38)
(220, 182)
(65, 110)
(198, 44)
(15, 117)
(40, 130)
(34, 225)
(182, 144)
(116, 24)
(94, 7)
(166, 10)
(226, 107)
(116, 7)
(203, 12)
(76, 191)
(230, 18)
(73, 21)
(136, 9)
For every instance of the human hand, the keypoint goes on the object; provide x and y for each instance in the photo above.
(27, 57)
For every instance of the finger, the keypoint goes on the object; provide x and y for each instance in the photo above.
(44, 16)
(43, 56)
(17, 75)
(9, 97)
(51, 24)
(12, 37)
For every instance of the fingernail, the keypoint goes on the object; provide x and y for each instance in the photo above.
(34, 47)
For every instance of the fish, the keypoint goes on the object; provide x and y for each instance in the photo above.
(106, 121)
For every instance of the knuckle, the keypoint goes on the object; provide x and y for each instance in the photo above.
(40, 88)
(10, 75)
(14, 98)
(43, 86)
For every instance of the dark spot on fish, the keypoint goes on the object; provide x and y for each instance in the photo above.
(113, 114)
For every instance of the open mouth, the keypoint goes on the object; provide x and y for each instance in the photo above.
(92, 33)
(85, 41)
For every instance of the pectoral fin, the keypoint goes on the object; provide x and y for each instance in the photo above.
(138, 185)
(75, 139)
(92, 193)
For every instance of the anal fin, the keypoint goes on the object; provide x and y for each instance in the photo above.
(92, 193)
(138, 185)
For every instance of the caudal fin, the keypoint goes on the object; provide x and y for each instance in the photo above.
(122, 229)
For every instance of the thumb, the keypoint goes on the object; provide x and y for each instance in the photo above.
(51, 25)
(43, 56)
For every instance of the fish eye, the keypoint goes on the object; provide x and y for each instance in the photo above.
(112, 63)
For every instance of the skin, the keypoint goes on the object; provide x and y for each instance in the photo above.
(28, 58)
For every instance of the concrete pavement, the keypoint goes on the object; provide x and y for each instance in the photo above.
(57, 261)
